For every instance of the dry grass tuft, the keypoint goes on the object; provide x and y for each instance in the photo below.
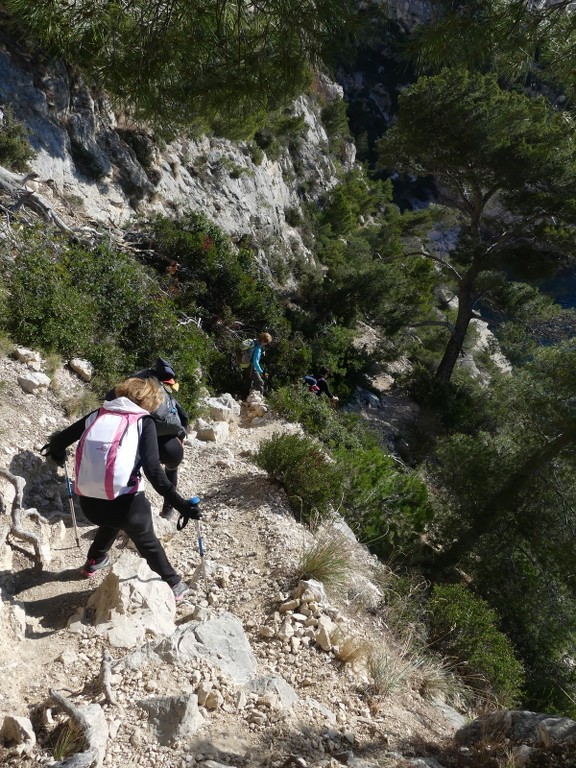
(350, 649)
(78, 405)
(328, 559)
(388, 671)
(66, 740)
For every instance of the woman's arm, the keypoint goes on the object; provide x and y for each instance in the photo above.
(256, 359)
(152, 468)
(59, 441)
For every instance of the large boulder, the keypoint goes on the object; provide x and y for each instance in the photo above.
(223, 408)
(520, 727)
(133, 602)
(221, 641)
(17, 732)
(174, 718)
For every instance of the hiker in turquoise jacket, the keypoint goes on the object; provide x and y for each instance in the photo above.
(255, 372)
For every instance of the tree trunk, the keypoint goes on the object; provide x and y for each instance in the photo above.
(466, 300)
(488, 514)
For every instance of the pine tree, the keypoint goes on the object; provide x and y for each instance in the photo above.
(505, 162)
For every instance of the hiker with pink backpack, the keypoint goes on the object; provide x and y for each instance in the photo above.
(171, 423)
(115, 444)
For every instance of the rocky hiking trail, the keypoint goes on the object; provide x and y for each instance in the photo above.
(262, 686)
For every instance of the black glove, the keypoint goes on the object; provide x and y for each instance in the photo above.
(58, 456)
(189, 510)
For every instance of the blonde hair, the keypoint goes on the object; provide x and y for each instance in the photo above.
(264, 338)
(144, 392)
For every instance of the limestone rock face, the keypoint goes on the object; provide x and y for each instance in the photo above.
(410, 13)
(83, 154)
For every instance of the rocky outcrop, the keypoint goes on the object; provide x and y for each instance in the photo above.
(132, 603)
(96, 167)
(410, 13)
(527, 738)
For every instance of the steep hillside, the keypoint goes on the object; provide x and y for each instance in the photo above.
(99, 168)
(319, 710)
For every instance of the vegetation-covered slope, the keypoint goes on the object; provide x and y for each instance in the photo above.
(489, 488)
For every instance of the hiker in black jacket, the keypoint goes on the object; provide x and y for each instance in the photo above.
(171, 422)
(323, 387)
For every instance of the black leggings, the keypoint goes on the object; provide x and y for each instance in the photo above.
(132, 514)
(171, 453)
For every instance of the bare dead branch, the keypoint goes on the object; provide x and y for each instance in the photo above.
(444, 323)
(18, 515)
(438, 260)
(106, 678)
(92, 727)
(14, 186)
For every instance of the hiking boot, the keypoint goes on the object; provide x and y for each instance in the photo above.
(180, 591)
(90, 567)
(167, 512)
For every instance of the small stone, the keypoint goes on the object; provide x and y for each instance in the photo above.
(290, 605)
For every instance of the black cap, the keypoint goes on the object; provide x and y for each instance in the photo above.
(164, 370)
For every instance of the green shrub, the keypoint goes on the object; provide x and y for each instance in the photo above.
(302, 468)
(464, 627)
(53, 313)
(318, 418)
(256, 153)
(15, 151)
(356, 195)
(281, 131)
(98, 303)
(388, 505)
(293, 216)
(335, 120)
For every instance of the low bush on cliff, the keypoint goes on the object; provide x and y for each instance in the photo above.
(97, 303)
(15, 150)
(465, 628)
(304, 470)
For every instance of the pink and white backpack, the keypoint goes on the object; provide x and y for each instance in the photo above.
(107, 458)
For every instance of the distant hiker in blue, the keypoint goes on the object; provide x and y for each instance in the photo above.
(254, 376)
(322, 384)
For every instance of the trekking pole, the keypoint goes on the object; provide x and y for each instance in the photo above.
(201, 568)
(71, 500)
(201, 553)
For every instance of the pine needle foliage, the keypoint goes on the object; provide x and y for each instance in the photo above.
(225, 62)
(465, 628)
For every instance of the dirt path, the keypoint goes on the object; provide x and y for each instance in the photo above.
(253, 544)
